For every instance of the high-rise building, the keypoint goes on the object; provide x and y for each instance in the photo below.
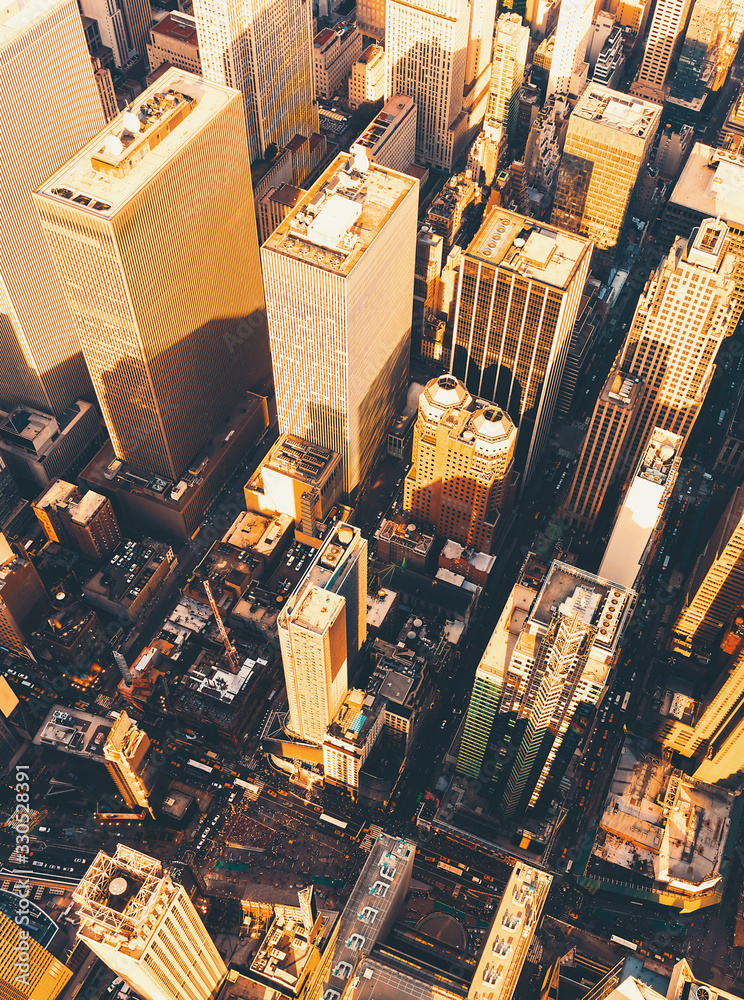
(174, 40)
(46, 976)
(170, 317)
(144, 927)
(518, 295)
(568, 68)
(679, 323)
(463, 456)
(705, 56)
(138, 18)
(510, 42)
(45, 66)
(534, 683)
(607, 146)
(715, 588)
(22, 596)
(370, 18)
(335, 50)
(367, 78)
(83, 521)
(426, 48)
(312, 634)
(709, 187)
(111, 27)
(340, 367)
(9, 495)
(662, 46)
(264, 50)
(480, 48)
(125, 750)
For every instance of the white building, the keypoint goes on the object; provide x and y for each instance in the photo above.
(367, 79)
(110, 25)
(338, 274)
(568, 68)
(507, 72)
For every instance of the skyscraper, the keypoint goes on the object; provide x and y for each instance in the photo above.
(338, 273)
(716, 586)
(170, 315)
(571, 37)
(664, 368)
(144, 927)
(518, 295)
(48, 81)
(22, 596)
(538, 677)
(607, 145)
(510, 43)
(312, 634)
(46, 976)
(463, 455)
(125, 751)
(662, 45)
(265, 50)
(426, 47)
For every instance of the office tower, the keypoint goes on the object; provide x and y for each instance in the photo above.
(335, 50)
(46, 70)
(111, 27)
(603, 446)
(125, 750)
(370, 18)
(170, 317)
(22, 596)
(390, 138)
(709, 187)
(264, 50)
(174, 40)
(429, 246)
(46, 976)
(105, 85)
(713, 738)
(81, 521)
(463, 456)
(607, 146)
(312, 635)
(568, 66)
(705, 57)
(426, 46)
(276, 205)
(138, 18)
(715, 588)
(9, 495)
(340, 567)
(510, 43)
(367, 79)
(519, 291)
(662, 45)
(338, 274)
(538, 677)
(144, 927)
(664, 368)
(639, 520)
(480, 48)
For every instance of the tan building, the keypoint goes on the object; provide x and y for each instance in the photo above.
(22, 596)
(607, 146)
(511, 348)
(367, 78)
(312, 634)
(274, 207)
(390, 139)
(265, 51)
(568, 67)
(510, 43)
(105, 85)
(162, 397)
(351, 737)
(174, 40)
(370, 18)
(461, 479)
(299, 479)
(46, 976)
(86, 522)
(46, 71)
(335, 50)
(144, 927)
(349, 245)
(716, 586)
(126, 750)
(662, 46)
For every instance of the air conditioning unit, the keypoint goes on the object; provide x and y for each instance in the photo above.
(700, 992)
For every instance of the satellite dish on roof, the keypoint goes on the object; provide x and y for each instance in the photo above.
(131, 123)
(113, 145)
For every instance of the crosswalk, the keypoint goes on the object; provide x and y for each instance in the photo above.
(370, 837)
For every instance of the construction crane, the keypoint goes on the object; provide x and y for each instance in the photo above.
(232, 653)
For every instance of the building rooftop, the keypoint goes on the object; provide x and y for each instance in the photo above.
(379, 605)
(657, 820)
(602, 604)
(300, 459)
(128, 570)
(111, 168)
(372, 54)
(335, 554)
(379, 129)
(620, 389)
(712, 183)
(286, 194)
(533, 249)
(617, 111)
(88, 506)
(75, 732)
(176, 25)
(317, 608)
(355, 719)
(19, 14)
(338, 218)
